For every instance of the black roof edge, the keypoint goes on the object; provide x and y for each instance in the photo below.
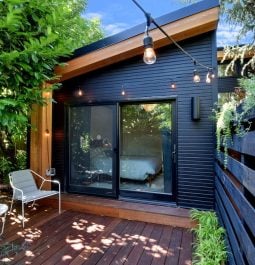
(163, 20)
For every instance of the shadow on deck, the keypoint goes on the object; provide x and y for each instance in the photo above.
(83, 238)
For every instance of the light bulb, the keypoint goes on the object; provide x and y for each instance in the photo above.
(149, 56)
(123, 93)
(80, 92)
(196, 77)
(208, 78)
(173, 85)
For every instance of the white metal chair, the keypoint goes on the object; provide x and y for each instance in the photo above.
(26, 190)
(3, 211)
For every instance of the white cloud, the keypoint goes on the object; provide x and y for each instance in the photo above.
(115, 28)
(93, 15)
(227, 35)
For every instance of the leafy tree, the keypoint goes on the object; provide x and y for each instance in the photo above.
(240, 14)
(34, 35)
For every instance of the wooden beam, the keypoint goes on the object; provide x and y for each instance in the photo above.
(40, 143)
(220, 55)
(181, 29)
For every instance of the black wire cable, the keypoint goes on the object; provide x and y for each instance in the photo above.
(150, 20)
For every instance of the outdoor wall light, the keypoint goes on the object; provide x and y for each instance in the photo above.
(173, 86)
(80, 93)
(47, 133)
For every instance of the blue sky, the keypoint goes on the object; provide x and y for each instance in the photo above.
(119, 15)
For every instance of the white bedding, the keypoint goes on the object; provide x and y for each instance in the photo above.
(131, 167)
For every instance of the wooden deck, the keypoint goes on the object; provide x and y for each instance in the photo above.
(83, 238)
(137, 211)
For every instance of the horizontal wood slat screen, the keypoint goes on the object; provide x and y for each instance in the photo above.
(235, 191)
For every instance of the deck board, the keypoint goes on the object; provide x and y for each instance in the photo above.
(82, 238)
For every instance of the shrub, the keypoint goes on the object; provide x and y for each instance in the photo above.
(209, 245)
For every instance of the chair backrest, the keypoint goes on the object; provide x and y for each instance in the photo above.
(24, 180)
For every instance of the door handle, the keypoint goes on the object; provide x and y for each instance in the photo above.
(174, 154)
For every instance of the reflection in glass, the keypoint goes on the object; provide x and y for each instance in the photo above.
(145, 148)
(91, 137)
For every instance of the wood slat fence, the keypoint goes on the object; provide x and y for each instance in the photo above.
(235, 191)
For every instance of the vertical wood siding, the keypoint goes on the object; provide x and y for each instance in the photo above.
(195, 139)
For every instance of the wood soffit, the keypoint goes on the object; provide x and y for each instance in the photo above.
(180, 30)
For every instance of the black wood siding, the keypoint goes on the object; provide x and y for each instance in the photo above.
(227, 84)
(195, 139)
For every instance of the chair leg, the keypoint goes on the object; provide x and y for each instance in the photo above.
(23, 214)
(59, 203)
(12, 203)
(3, 223)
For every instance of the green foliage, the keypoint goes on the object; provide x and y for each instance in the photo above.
(34, 36)
(230, 120)
(139, 119)
(210, 246)
(5, 168)
(240, 14)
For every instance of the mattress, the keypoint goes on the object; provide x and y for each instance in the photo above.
(131, 167)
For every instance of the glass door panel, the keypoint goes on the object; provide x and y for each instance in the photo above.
(146, 148)
(91, 144)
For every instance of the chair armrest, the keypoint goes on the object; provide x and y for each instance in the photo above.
(17, 189)
(49, 180)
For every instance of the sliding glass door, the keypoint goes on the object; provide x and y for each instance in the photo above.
(147, 150)
(140, 165)
(92, 146)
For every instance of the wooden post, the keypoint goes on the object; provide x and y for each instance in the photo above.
(41, 136)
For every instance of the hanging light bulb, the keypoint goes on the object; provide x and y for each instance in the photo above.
(212, 74)
(149, 56)
(123, 93)
(208, 79)
(196, 77)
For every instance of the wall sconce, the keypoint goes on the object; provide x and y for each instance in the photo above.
(172, 84)
(47, 133)
(195, 108)
(80, 92)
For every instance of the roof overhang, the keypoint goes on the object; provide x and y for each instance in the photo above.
(180, 29)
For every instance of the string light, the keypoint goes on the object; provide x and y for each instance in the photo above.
(196, 77)
(149, 56)
(208, 78)
(148, 44)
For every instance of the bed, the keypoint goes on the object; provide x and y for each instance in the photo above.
(131, 167)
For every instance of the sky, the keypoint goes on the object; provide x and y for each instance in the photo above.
(119, 15)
